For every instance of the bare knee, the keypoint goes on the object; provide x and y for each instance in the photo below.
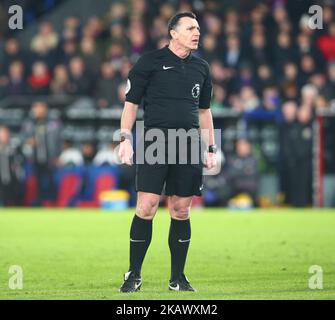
(146, 207)
(180, 212)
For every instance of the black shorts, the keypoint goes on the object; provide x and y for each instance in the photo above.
(180, 179)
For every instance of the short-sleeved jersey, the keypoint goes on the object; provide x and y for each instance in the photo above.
(172, 89)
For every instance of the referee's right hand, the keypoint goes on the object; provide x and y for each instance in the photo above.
(126, 152)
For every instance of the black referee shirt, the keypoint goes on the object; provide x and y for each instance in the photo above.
(173, 89)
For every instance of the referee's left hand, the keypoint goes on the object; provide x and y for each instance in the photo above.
(126, 152)
(211, 160)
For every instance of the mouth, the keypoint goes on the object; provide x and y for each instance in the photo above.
(195, 41)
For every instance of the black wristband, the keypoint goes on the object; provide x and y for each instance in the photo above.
(212, 148)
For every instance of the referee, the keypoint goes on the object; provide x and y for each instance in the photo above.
(175, 87)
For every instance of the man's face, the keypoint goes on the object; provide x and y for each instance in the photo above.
(40, 110)
(243, 148)
(187, 33)
(4, 136)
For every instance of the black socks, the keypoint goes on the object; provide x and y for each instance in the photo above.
(179, 241)
(140, 238)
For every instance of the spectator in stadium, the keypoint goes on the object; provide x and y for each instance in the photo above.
(220, 74)
(71, 29)
(330, 85)
(233, 52)
(321, 103)
(70, 156)
(90, 56)
(118, 12)
(16, 85)
(289, 91)
(42, 135)
(326, 43)
(115, 55)
(107, 155)
(46, 39)
(88, 151)
(263, 78)
(271, 98)
(212, 23)
(43, 54)
(319, 80)
(308, 67)
(269, 108)
(11, 53)
(284, 50)
(241, 175)
(243, 77)
(306, 46)
(328, 13)
(157, 31)
(138, 39)
(232, 23)
(107, 86)
(308, 95)
(11, 171)
(81, 83)
(60, 83)
(94, 28)
(67, 51)
(209, 49)
(304, 156)
(118, 35)
(280, 14)
(286, 163)
(258, 53)
(290, 73)
(249, 99)
(39, 80)
(219, 98)
(296, 153)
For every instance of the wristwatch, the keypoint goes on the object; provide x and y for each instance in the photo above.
(124, 136)
(212, 148)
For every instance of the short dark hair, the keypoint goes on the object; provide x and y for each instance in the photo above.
(175, 19)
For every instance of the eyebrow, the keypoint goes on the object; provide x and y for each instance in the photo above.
(192, 27)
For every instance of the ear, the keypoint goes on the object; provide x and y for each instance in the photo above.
(174, 34)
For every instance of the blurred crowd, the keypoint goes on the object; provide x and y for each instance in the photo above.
(266, 63)
(258, 59)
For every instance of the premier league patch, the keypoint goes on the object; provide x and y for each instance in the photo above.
(196, 91)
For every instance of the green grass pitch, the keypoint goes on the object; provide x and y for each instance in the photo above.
(82, 254)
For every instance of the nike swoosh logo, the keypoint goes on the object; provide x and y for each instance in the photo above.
(166, 68)
(176, 288)
(137, 285)
(184, 240)
(131, 240)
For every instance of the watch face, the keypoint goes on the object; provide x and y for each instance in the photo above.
(212, 148)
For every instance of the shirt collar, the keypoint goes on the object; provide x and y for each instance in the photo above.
(175, 57)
